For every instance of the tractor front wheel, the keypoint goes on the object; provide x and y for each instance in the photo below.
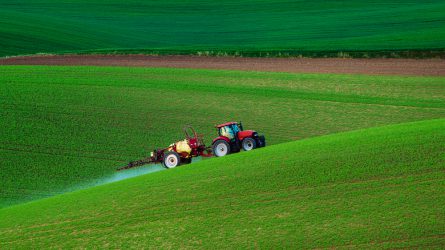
(249, 144)
(171, 159)
(221, 148)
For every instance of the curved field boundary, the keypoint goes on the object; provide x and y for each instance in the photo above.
(333, 191)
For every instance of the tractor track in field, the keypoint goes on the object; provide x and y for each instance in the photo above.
(409, 67)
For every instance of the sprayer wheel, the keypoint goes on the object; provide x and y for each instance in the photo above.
(171, 159)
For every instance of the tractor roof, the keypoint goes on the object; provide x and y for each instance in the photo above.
(226, 124)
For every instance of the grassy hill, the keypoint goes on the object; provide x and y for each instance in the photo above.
(70, 127)
(379, 187)
(173, 26)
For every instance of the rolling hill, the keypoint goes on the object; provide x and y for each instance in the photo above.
(66, 128)
(374, 188)
(353, 160)
(200, 27)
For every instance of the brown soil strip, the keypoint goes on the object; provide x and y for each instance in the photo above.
(419, 67)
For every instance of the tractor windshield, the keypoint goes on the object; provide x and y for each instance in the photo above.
(227, 132)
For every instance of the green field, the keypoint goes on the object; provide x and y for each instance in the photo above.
(374, 188)
(172, 26)
(352, 161)
(64, 128)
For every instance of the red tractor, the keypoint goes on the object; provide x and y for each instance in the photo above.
(232, 138)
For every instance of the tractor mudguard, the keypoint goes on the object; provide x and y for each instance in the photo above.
(221, 138)
(245, 134)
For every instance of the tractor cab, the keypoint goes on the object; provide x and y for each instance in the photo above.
(232, 138)
(229, 130)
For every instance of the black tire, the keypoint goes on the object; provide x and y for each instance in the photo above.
(186, 160)
(248, 144)
(171, 159)
(261, 141)
(221, 148)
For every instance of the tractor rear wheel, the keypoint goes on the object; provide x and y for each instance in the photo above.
(221, 148)
(171, 159)
(249, 144)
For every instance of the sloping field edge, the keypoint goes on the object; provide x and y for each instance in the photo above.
(184, 168)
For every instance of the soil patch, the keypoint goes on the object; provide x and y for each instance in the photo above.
(419, 67)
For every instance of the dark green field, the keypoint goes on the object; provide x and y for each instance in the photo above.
(375, 188)
(67, 127)
(236, 27)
